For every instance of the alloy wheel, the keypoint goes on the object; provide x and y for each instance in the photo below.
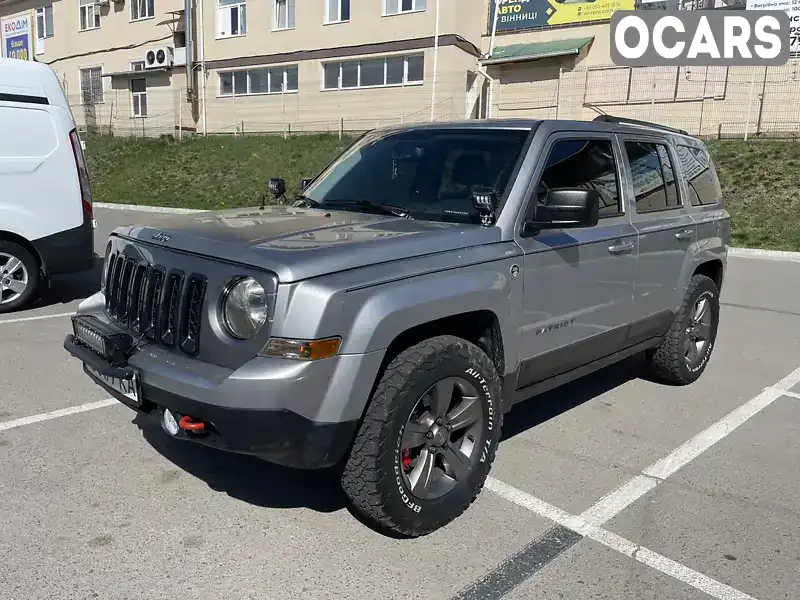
(440, 439)
(698, 333)
(13, 278)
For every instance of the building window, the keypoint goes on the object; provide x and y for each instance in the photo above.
(92, 85)
(139, 97)
(231, 18)
(396, 7)
(142, 9)
(337, 11)
(284, 14)
(44, 22)
(137, 65)
(373, 72)
(273, 80)
(89, 15)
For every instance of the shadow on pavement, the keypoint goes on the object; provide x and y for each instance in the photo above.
(247, 478)
(68, 288)
(535, 411)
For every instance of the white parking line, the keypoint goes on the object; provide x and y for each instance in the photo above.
(56, 414)
(37, 318)
(590, 521)
(792, 394)
(661, 563)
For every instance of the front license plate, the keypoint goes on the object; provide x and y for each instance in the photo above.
(128, 388)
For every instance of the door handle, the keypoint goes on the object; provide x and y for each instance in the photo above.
(684, 235)
(621, 248)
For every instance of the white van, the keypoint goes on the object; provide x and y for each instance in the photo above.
(46, 217)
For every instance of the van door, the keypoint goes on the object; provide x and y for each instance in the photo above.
(578, 283)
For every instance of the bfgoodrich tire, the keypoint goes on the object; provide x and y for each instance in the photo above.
(19, 277)
(686, 349)
(428, 438)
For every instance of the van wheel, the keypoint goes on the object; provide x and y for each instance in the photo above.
(686, 349)
(19, 277)
(428, 438)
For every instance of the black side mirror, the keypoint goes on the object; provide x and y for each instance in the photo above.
(277, 187)
(567, 208)
(484, 201)
(304, 183)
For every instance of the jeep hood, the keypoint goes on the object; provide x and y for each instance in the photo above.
(300, 243)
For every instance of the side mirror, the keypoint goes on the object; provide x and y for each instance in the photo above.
(304, 183)
(484, 201)
(567, 208)
(277, 187)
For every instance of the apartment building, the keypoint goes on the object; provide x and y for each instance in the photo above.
(233, 66)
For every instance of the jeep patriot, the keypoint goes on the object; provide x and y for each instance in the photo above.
(428, 279)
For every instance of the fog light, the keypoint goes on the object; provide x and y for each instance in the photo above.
(169, 423)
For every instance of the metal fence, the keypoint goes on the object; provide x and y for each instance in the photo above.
(711, 102)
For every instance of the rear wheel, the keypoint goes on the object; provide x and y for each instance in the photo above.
(19, 277)
(685, 351)
(428, 439)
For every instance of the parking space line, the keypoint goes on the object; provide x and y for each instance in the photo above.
(588, 524)
(56, 414)
(792, 395)
(613, 503)
(652, 559)
(37, 318)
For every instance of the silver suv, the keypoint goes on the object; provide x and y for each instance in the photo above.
(427, 280)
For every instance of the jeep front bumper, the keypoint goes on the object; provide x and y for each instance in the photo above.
(293, 413)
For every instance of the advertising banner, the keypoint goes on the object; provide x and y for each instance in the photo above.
(792, 8)
(527, 14)
(16, 34)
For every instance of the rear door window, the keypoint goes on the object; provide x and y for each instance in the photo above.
(653, 177)
(700, 176)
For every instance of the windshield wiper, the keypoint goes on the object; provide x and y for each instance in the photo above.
(386, 209)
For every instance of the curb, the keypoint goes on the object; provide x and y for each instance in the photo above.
(764, 254)
(733, 252)
(145, 208)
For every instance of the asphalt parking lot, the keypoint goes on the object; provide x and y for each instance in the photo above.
(611, 488)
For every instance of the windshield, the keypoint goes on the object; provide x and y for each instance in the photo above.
(430, 173)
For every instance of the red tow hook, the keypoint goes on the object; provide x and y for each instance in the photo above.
(187, 423)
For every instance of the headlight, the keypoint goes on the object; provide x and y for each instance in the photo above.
(244, 308)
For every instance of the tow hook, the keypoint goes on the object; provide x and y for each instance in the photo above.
(187, 423)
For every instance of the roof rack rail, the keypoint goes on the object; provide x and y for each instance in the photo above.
(625, 120)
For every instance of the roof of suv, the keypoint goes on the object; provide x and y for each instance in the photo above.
(600, 123)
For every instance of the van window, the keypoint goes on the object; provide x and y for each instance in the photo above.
(700, 177)
(653, 177)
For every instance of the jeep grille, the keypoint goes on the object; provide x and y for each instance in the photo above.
(148, 300)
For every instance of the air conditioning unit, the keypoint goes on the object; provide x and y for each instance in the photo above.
(158, 58)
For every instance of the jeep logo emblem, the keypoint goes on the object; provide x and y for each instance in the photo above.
(161, 237)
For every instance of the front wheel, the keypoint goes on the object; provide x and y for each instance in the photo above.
(428, 439)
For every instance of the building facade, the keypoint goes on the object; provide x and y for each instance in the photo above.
(293, 66)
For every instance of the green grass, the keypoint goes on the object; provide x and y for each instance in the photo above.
(760, 183)
(760, 179)
(206, 173)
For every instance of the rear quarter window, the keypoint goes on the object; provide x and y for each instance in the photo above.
(701, 178)
(27, 132)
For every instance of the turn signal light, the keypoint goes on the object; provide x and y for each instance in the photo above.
(302, 349)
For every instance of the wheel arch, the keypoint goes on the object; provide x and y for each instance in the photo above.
(7, 236)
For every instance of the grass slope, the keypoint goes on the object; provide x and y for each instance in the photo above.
(760, 179)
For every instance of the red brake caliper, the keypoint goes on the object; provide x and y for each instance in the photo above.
(406, 461)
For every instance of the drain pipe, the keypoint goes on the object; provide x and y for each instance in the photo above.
(435, 63)
(481, 70)
(201, 51)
